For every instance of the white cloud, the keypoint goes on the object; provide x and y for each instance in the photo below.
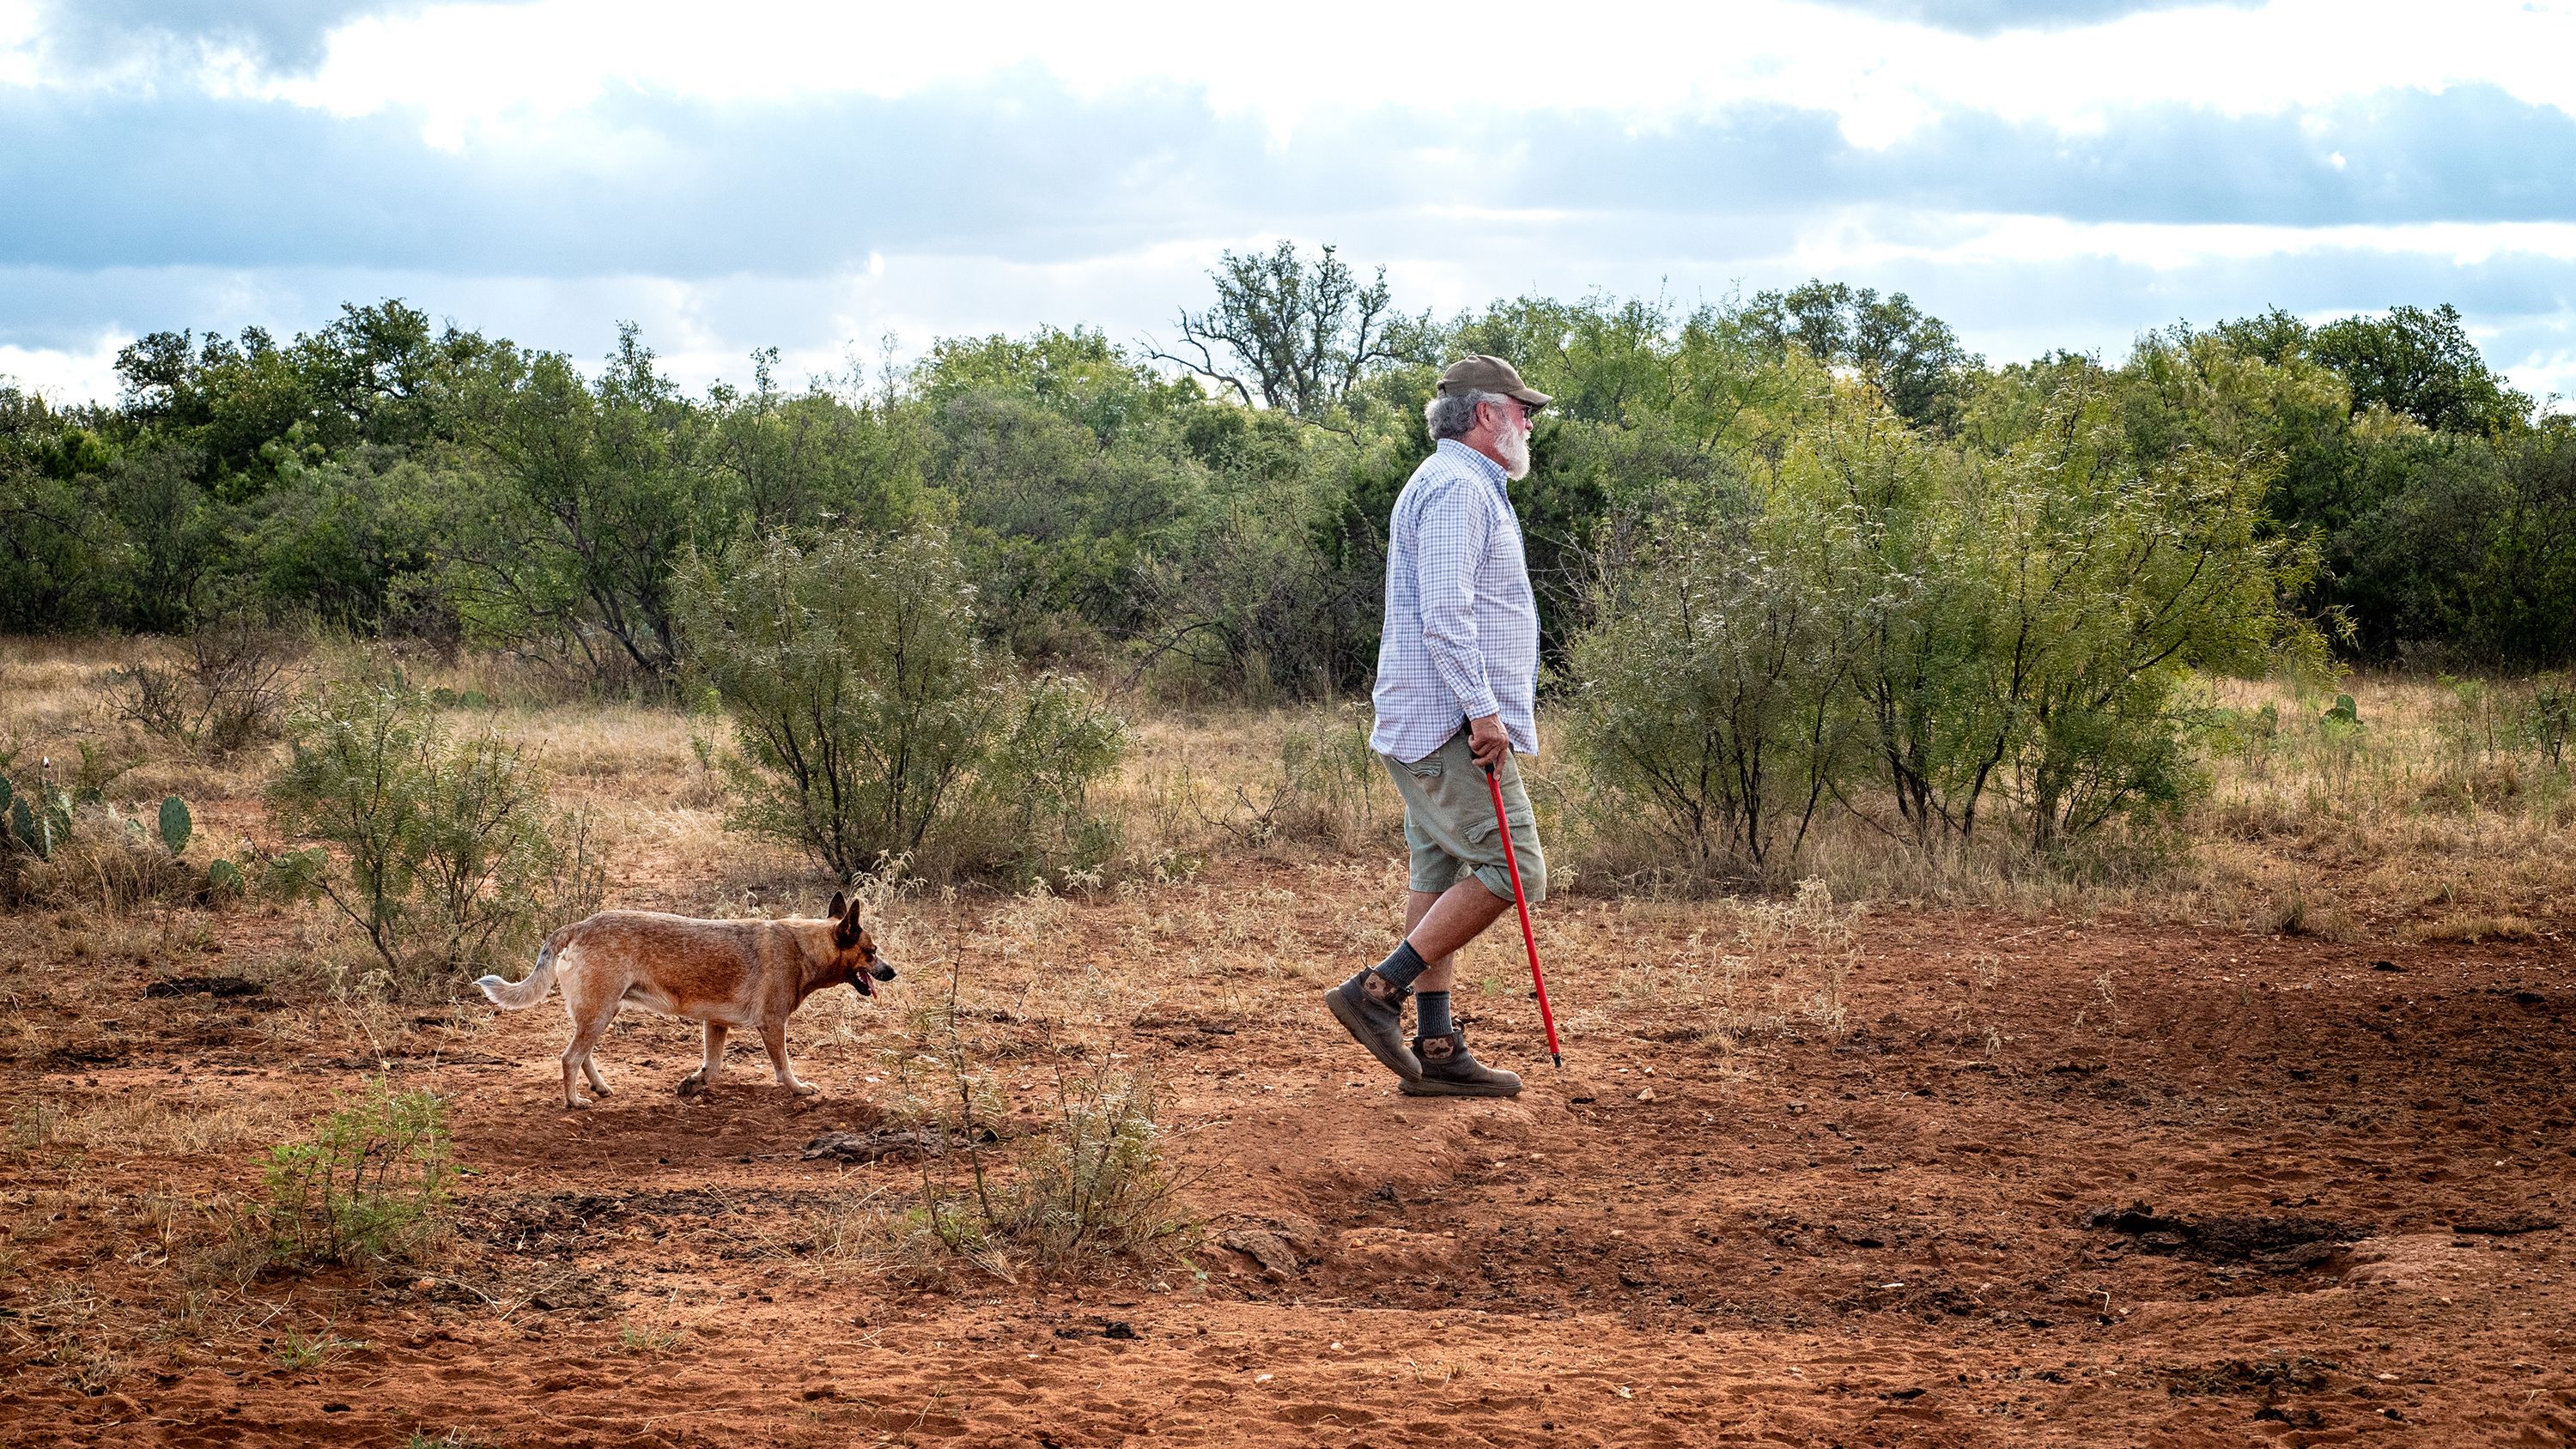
(1857, 241)
(488, 71)
(66, 375)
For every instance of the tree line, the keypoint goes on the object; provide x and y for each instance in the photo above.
(1798, 554)
(1218, 522)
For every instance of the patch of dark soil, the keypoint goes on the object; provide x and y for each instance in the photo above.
(222, 988)
(2270, 1376)
(2282, 1244)
(532, 1220)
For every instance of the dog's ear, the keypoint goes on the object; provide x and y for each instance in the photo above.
(847, 930)
(840, 906)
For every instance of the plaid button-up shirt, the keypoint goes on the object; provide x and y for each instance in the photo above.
(1461, 634)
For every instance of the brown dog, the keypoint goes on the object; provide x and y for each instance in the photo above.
(722, 974)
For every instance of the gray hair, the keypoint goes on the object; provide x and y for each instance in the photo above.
(1453, 415)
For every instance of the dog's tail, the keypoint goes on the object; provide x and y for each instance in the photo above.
(524, 994)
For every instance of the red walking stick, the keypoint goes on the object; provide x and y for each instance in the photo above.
(1520, 900)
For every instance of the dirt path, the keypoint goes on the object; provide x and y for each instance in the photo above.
(2336, 1200)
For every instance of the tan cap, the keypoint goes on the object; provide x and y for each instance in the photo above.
(1479, 373)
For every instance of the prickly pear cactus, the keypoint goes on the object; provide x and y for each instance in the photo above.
(34, 833)
(175, 824)
(225, 878)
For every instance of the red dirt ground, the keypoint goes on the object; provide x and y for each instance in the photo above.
(2350, 1188)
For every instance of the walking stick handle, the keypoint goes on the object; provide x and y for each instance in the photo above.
(1520, 900)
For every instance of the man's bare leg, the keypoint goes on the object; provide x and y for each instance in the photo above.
(1438, 925)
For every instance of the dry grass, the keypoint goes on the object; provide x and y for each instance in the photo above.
(2438, 814)
(163, 1124)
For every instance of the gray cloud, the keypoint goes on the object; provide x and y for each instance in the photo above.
(285, 36)
(699, 189)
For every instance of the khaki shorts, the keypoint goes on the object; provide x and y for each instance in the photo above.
(1449, 823)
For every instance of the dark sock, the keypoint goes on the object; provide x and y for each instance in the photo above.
(1433, 1007)
(1402, 964)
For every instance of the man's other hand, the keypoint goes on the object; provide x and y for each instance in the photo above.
(1486, 740)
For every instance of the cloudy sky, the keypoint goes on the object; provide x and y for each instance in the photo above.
(815, 176)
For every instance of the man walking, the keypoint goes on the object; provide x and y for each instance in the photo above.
(1457, 692)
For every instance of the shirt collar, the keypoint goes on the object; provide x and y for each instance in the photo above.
(1492, 470)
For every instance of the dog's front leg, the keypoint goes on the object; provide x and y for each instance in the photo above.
(705, 1075)
(774, 1036)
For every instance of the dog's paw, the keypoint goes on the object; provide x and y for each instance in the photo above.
(578, 1104)
(692, 1085)
(803, 1089)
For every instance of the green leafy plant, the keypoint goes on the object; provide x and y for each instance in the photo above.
(1098, 1181)
(872, 723)
(2551, 719)
(369, 1185)
(1902, 628)
(448, 854)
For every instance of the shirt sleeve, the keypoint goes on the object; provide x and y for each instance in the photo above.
(1455, 528)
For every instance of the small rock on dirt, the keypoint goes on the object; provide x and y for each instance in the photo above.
(893, 1143)
(1264, 1247)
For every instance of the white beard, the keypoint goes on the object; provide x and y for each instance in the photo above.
(1513, 444)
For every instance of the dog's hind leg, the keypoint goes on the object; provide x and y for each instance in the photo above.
(705, 1075)
(773, 1035)
(586, 1032)
(590, 1069)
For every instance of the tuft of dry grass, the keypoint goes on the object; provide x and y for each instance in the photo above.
(155, 1124)
(2471, 928)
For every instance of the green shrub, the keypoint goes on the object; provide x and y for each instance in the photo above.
(369, 1186)
(872, 723)
(1716, 711)
(1098, 1181)
(1901, 629)
(449, 855)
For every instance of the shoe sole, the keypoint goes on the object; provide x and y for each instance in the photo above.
(1348, 1016)
(1432, 1087)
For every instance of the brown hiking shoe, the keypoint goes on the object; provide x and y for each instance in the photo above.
(1450, 1070)
(1371, 1009)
